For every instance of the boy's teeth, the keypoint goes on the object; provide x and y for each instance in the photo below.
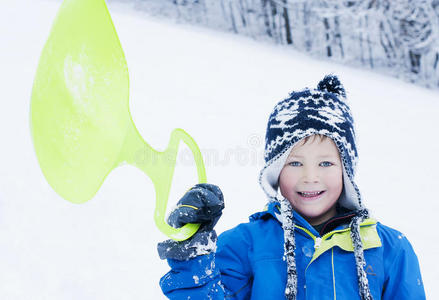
(310, 193)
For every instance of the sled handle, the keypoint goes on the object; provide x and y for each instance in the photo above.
(160, 167)
(163, 187)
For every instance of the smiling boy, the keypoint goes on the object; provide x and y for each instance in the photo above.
(312, 179)
(314, 240)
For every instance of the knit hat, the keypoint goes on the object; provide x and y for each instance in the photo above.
(321, 111)
(308, 112)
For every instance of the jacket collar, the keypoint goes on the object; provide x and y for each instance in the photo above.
(272, 209)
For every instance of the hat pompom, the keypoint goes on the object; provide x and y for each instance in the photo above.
(331, 84)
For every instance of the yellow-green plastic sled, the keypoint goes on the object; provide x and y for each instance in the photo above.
(80, 120)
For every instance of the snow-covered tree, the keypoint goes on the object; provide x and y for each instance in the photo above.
(400, 37)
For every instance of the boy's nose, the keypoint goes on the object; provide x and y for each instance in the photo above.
(310, 176)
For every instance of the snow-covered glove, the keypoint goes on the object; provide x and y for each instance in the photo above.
(202, 204)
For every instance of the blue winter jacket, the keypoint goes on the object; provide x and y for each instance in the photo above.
(249, 264)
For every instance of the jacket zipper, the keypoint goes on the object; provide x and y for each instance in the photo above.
(317, 243)
(318, 240)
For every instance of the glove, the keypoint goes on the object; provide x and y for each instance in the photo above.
(202, 204)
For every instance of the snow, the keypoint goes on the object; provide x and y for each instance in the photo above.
(221, 89)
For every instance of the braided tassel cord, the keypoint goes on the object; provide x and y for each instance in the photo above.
(363, 283)
(289, 248)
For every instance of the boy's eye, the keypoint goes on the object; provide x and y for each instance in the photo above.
(295, 163)
(326, 164)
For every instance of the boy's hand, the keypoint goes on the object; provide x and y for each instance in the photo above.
(202, 204)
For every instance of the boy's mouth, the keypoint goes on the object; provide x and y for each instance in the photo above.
(311, 195)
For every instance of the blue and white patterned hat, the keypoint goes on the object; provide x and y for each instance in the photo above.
(320, 111)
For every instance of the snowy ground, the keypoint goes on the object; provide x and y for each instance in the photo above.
(221, 89)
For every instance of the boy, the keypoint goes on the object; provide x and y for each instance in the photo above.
(315, 240)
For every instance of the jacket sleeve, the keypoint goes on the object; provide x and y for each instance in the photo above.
(197, 278)
(404, 279)
(222, 275)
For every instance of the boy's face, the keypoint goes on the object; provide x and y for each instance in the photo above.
(312, 179)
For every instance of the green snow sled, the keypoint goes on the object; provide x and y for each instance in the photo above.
(80, 120)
